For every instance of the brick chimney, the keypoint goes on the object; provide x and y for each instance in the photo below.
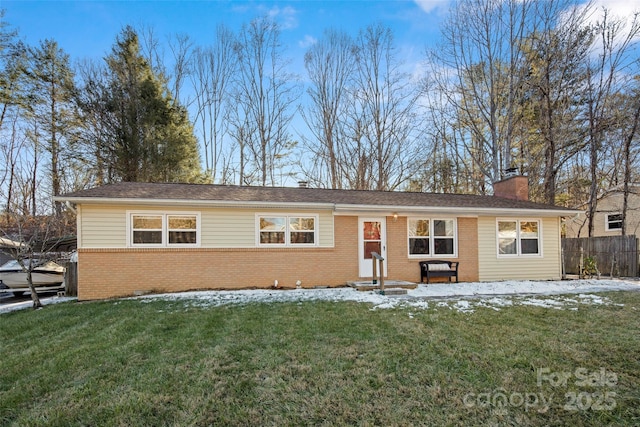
(514, 187)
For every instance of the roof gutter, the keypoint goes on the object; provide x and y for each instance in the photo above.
(190, 202)
(458, 211)
(344, 209)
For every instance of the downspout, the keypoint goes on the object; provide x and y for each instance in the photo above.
(70, 207)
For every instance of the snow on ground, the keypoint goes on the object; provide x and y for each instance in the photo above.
(21, 305)
(463, 297)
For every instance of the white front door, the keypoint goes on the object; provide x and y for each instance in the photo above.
(372, 237)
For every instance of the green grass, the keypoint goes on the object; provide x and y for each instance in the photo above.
(125, 363)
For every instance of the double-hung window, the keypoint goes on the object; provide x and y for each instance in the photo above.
(146, 229)
(164, 230)
(182, 229)
(519, 237)
(287, 230)
(614, 222)
(432, 237)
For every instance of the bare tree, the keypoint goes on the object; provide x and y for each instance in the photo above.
(383, 113)
(51, 92)
(329, 64)
(12, 150)
(445, 153)
(355, 156)
(181, 48)
(630, 132)
(555, 54)
(31, 240)
(243, 131)
(151, 49)
(173, 70)
(481, 48)
(606, 75)
(212, 69)
(265, 93)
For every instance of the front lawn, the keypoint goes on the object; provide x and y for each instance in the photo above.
(129, 362)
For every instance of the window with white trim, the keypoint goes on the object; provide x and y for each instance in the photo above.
(287, 230)
(146, 229)
(164, 229)
(432, 237)
(182, 229)
(614, 222)
(518, 237)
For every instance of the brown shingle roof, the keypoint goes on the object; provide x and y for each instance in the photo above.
(289, 195)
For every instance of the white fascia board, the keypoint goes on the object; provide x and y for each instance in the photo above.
(450, 211)
(338, 209)
(190, 202)
(390, 211)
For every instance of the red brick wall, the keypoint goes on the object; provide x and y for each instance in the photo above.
(105, 273)
(515, 187)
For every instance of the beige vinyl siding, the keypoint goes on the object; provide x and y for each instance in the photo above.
(545, 267)
(106, 226)
(325, 232)
(578, 225)
(614, 205)
(236, 228)
(102, 226)
(228, 228)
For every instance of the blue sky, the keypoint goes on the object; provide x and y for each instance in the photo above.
(87, 29)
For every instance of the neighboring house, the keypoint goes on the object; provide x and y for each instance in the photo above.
(608, 216)
(135, 237)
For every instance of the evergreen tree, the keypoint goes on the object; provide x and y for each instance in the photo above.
(554, 57)
(50, 108)
(12, 65)
(151, 138)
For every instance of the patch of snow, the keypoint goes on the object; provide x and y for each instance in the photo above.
(463, 297)
(494, 295)
(21, 305)
(463, 306)
(546, 303)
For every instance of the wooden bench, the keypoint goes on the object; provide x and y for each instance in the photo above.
(438, 268)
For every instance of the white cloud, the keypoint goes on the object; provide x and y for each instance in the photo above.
(308, 41)
(285, 16)
(431, 5)
(618, 8)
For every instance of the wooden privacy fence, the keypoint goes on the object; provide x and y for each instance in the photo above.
(71, 279)
(614, 255)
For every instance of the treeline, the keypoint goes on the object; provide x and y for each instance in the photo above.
(549, 88)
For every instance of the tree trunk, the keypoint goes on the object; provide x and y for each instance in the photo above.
(627, 168)
(34, 295)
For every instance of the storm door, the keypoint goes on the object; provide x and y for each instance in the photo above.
(372, 237)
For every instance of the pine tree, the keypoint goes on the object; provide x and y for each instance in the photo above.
(152, 139)
(50, 107)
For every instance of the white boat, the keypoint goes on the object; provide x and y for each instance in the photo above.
(46, 273)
